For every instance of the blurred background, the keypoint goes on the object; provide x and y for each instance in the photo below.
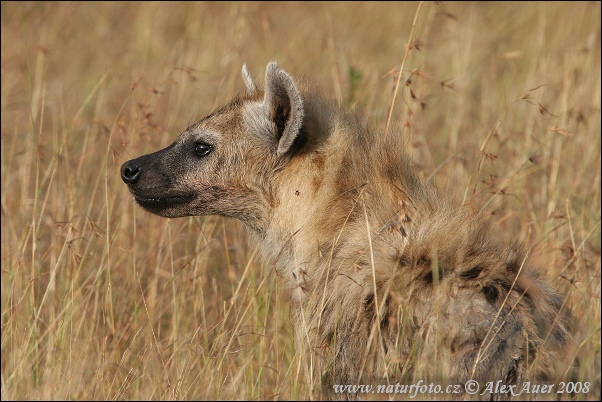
(101, 300)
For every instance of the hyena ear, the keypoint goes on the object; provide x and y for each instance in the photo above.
(251, 87)
(284, 106)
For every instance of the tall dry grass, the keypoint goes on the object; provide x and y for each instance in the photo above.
(101, 300)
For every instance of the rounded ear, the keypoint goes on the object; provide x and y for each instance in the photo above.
(283, 104)
(251, 87)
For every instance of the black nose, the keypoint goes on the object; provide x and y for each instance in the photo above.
(130, 172)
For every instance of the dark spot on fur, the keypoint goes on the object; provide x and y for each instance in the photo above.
(318, 162)
(385, 319)
(511, 376)
(520, 290)
(324, 250)
(424, 260)
(559, 335)
(505, 284)
(472, 252)
(403, 231)
(472, 273)
(384, 328)
(513, 266)
(404, 261)
(491, 293)
(369, 302)
(316, 182)
(433, 275)
(329, 338)
(384, 322)
(528, 297)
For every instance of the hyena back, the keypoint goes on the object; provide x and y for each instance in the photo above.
(388, 278)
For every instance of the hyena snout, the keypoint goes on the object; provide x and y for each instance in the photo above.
(142, 171)
(151, 183)
(131, 172)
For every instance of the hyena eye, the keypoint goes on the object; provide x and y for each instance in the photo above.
(202, 149)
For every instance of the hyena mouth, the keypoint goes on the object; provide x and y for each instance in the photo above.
(156, 204)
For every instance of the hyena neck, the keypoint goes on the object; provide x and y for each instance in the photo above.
(339, 192)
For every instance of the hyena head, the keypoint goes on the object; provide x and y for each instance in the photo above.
(222, 165)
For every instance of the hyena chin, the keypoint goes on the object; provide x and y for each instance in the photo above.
(390, 281)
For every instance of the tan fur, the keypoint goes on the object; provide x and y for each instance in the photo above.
(388, 278)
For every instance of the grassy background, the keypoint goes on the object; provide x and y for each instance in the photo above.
(101, 300)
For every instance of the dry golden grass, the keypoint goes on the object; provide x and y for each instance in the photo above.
(101, 300)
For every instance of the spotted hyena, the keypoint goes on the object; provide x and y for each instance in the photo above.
(389, 279)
